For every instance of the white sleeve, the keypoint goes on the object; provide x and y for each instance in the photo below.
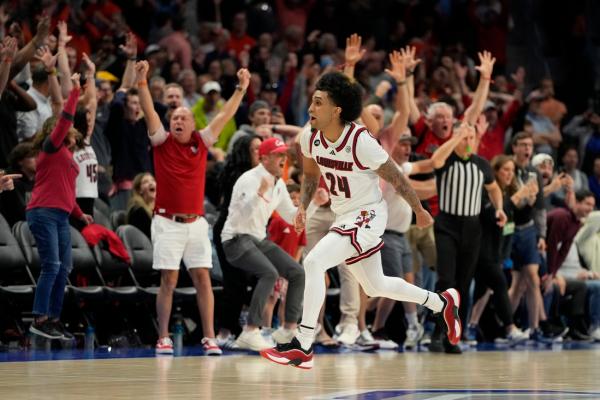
(305, 135)
(207, 137)
(285, 208)
(368, 152)
(26, 124)
(244, 196)
(159, 137)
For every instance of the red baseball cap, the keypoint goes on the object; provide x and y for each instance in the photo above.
(272, 145)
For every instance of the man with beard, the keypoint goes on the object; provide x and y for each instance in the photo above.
(553, 182)
(528, 240)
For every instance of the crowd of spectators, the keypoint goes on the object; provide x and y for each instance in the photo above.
(539, 154)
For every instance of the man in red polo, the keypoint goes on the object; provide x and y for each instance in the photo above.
(179, 230)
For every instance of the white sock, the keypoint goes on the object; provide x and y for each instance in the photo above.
(411, 317)
(434, 302)
(306, 336)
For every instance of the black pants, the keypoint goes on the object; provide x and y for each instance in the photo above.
(457, 241)
(266, 261)
(235, 282)
(489, 274)
(572, 303)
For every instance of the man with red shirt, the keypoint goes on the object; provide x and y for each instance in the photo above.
(284, 234)
(179, 230)
(435, 128)
(491, 142)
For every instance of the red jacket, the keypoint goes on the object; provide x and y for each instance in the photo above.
(95, 233)
(563, 225)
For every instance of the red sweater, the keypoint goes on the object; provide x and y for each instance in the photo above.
(492, 142)
(285, 236)
(563, 225)
(56, 170)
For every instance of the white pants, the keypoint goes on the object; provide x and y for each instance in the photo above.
(334, 249)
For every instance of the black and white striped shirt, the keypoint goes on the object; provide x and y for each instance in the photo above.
(460, 184)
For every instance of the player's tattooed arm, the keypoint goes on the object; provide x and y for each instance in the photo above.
(389, 172)
(310, 182)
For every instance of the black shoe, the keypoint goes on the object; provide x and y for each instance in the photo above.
(66, 335)
(575, 334)
(380, 334)
(450, 348)
(437, 343)
(552, 330)
(45, 329)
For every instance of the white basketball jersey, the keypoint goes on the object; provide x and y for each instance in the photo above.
(399, 211)
(87, 181)
(347, 166)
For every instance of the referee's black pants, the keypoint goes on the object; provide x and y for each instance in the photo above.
(489, 273)
(457, 241)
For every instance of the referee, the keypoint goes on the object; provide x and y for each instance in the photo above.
(460, 180)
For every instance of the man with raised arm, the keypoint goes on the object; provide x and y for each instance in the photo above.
(179, 230)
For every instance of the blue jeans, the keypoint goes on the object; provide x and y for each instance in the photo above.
(50, 228)
(593, 294)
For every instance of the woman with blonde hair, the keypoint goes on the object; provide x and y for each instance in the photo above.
(141, 203)
(52, 201)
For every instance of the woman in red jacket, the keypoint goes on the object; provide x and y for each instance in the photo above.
(52, 201)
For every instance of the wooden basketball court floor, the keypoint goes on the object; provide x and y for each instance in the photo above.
(525, 373)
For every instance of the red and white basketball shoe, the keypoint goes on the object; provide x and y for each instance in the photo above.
(451, 299)
(290, 354)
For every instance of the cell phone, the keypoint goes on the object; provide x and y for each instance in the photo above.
(531, 176)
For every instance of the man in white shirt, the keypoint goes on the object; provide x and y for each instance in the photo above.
(256, 194)
(28, 123)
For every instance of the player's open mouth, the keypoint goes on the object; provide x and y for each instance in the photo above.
(178, 129)
(152, 189)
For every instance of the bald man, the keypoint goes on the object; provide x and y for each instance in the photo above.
(179, 230)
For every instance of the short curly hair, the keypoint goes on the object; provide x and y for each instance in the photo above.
(344, 93)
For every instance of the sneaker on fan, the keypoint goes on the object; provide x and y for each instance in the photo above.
(451, 299)
(365, 342)
(210, 347)
(366, 339)
(426, 339)
(471, 335)
(290, 354)
(283, 335)
(385, 343)
(414, 333)
(267, 335)
(164, 346)
(226, 342)
(517, 336)
(538, 336)
(252, 340)
(348, 333)
(595, 334)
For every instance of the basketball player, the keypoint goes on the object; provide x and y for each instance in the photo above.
(351, 161)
